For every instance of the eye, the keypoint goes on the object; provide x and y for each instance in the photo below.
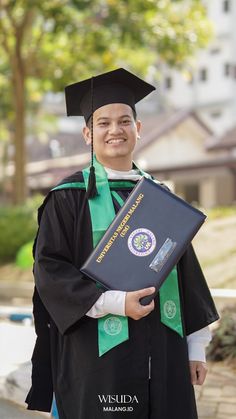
(103, 124)
(125, 121)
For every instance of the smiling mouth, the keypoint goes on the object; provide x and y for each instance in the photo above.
(116, 141)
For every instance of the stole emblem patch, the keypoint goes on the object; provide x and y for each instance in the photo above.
(170, 309)
(112, 326)
(141, 242)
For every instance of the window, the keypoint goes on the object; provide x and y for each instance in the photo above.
(215, 50)
(168, 82)
(191, 193)
(227, 69)
(215, 114)
(190, 78)
(203, 74)
(226, 6)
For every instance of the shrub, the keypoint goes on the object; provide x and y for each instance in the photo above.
(18, 226)
(24, 257)
(220, 212)
(223, 344)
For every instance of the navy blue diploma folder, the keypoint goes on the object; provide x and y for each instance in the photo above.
(145, 240)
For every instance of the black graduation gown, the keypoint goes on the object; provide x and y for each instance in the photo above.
(117, 384)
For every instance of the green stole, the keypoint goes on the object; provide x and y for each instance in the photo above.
(113, 329)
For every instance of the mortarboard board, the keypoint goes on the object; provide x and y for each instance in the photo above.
(117, 86)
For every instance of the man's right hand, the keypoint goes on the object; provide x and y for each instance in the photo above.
(133, 308)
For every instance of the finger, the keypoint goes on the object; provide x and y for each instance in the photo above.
(201, 375)
(145, 310)
(145, 291)
(193, 373)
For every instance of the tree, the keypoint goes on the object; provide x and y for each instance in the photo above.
(45, 45)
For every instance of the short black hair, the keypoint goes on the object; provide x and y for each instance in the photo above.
(88, 123)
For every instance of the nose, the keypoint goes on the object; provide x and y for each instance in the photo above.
(115, 128)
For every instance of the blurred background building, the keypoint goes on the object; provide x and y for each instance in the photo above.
(209, 86)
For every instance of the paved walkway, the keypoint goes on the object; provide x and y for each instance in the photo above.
(216, 399)
(10, 410)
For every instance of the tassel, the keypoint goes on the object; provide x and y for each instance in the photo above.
(92, 189)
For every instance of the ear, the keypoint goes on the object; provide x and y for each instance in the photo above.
(138, 126)
(87, 135)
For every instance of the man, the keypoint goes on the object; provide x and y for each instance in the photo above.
(148, 373)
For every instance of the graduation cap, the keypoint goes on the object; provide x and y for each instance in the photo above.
(117, 86)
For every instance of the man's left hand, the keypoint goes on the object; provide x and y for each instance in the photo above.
(198, 371)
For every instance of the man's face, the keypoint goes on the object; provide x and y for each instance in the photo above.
(114, 135)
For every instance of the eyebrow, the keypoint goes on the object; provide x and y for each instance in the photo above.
(105, 117)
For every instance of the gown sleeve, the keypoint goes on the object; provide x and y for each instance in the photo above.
(40, 394)
(65, 292)
(198, 306)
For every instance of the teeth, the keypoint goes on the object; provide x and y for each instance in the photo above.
(114, 141)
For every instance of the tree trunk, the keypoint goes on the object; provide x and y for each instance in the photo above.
(19, 191)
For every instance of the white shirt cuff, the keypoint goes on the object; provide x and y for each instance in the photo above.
(197, 343)
(112, 302)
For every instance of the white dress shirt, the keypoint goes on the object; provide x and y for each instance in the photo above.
(113, 302)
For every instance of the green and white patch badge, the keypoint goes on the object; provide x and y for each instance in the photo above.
(170, 309)
(112, 325)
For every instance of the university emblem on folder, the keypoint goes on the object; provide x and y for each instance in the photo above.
(141, 242)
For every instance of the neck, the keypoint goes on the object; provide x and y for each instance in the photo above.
(117, 164)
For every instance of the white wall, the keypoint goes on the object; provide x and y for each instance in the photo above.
(219, 90)
(183, 145)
